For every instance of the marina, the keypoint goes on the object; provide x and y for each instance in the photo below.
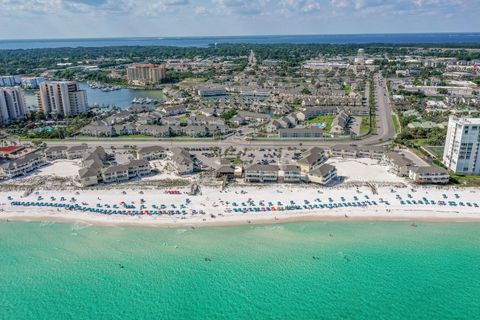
(108, 96)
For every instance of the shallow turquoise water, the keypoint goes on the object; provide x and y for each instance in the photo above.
(327, 270)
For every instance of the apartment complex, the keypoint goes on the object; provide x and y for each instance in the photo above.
(323, 175)
(262, 173)
(22, 166)
(461, 154)
(429, 174)
(62, 98)
(211, 92)
(145, 74)
(12, 104)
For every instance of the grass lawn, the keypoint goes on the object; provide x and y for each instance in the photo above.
(135, 136)
(420, 142)
(326, 120)
(435, 150)
(365, 125)
(183, 118)
(396, 123)
(471, 181)
(235, 161)
(194, 80)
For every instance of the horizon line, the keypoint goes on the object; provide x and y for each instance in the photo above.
(236, 36)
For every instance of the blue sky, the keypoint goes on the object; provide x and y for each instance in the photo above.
(116, 18)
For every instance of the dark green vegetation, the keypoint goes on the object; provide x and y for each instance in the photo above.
(63, 128)
(29, 61)
(417, 137)
(228, 114)
(96, 76)
(470, 181)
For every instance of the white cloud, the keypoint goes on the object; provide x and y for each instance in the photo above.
(108, 17)
(77, 7)
(403, 7)
(201, 10)
(245, 7)
(310, 6)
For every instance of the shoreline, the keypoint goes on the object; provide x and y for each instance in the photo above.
(167, 223)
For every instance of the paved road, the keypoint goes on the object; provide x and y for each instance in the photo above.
(385, 132)
(385, 127)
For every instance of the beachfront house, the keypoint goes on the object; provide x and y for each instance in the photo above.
(22, 166)
(138, 168)
(429, 174)
(89, 175)
(292, 173)
(183, 161)
(225, 171)
(261, 173)
(397, 163)
(312, 159)
(323, 174)
(118, 173)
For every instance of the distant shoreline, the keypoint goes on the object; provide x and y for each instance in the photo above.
(205, 41)
(245, 36)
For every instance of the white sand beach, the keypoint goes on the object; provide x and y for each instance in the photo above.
(244, 204)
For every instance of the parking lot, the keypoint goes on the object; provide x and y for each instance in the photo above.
(274, 156)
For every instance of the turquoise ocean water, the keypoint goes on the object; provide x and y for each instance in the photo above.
(315, 270)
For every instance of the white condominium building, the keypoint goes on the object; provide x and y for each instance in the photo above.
(143, 74)
(12, 104)
(462, 145)
(32, 82)
(10, 81)
(62, 98)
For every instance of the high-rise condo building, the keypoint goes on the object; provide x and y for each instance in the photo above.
(145, 74)
(462, 154)
(63, 98)
(12, 104)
